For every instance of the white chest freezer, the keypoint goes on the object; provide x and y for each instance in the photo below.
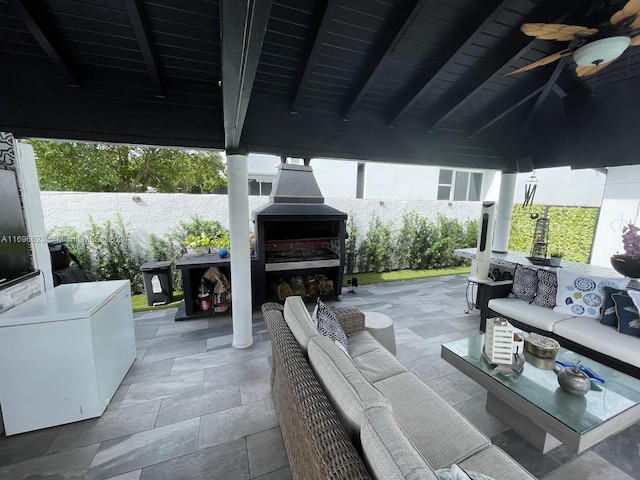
(64, 353)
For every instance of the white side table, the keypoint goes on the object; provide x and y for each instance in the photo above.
(380, 326)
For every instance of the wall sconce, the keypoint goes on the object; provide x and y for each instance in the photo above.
(136, 198)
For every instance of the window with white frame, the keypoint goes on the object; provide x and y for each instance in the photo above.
(260, 186)
(459, 185)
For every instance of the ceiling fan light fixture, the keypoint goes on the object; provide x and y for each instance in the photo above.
(601, 51)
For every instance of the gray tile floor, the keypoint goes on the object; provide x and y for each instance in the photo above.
(193, 407)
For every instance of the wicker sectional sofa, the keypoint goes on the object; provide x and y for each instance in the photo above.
(364, 415)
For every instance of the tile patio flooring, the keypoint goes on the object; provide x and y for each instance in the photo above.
(193, 407)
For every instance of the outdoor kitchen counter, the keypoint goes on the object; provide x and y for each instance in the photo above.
(193, 267)
(511, 259)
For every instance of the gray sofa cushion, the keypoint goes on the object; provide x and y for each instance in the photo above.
(378, 364)
(440, 433)
(299, 321)
(495, 463)
(388, 452)
(347, 388)
(362, 342)
(538, 317)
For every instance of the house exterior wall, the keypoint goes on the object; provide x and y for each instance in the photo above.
(620, 204)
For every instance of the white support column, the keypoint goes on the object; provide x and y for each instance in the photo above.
(504, 212)
(238, 182)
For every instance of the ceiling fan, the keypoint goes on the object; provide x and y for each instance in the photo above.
(592, 48)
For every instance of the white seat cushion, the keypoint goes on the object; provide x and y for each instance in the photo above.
(387, 450)
(605, 339)
(438, 431)
(539, 317)
(347, 388)
(299, 321)
(362, 342)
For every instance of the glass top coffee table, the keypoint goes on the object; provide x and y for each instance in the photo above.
(534, 405)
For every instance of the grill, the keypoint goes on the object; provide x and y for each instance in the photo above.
(297, 235)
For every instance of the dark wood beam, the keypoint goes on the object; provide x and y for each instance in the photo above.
(545, 91)
(314, 51)
(33, 15)
(379, 57)
(499, 113)
(242, 28)
(559, 91)
(516, 45)
(467, 36)
(139, 24)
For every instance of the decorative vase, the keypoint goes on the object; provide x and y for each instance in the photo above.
(627, 265)
(573, 381)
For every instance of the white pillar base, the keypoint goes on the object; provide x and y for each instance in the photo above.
(241, 304)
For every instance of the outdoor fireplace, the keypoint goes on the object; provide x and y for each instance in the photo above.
(297, 235)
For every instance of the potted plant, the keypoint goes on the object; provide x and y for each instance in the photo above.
(555, 258)
(628, 264)
(197, 243)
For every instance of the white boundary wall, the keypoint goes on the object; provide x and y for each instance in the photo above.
(159, 213)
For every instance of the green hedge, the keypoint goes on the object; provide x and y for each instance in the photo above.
(571, 230)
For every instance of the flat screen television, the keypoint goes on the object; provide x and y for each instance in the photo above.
(15, 260)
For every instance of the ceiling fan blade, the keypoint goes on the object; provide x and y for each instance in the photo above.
(586, 71)
(555, 31)
(632, 7)
(544, 61)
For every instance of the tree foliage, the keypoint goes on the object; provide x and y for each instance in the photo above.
(91, 167)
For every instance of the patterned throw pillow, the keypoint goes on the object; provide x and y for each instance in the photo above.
(547, 289)
(628, 315)
(609, 316)
(525, 282)
(581, 295)
(329, 326)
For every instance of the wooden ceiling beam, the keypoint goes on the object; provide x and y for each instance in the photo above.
(516, 45)
(141, 29)
(327, 17)
(545, 91)
(242, 27)
(34, 16)
(379, 57)
(497, 114)
(428, 76)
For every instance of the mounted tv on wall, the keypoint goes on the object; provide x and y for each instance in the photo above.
(15, 261)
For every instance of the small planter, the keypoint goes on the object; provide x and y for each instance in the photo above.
(627, 265)
(555, 261)
(197, 250)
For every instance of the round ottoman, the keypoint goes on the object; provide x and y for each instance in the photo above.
(380, 326)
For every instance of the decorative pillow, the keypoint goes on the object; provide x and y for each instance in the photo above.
(329, 326)
(628, 316)
(581, 295)
(635, 296)
(609, 316)
(457, 473)
(547, 289)
(525, 282)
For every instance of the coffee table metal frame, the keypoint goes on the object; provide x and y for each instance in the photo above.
(541, 429)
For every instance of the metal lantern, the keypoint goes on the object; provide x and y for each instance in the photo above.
(498, 341)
